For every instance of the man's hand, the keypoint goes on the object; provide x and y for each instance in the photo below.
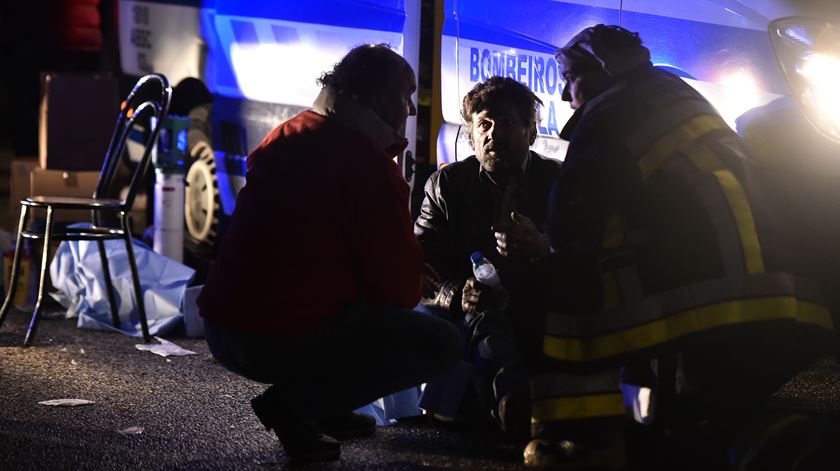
(477, 296)
(520, 238)
(431, 282)
(470, 295)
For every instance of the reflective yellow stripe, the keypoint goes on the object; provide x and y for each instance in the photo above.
(704, 159)
(578, 407)
(669, 144)
(685, 323)
(565, 348)
(740, 207)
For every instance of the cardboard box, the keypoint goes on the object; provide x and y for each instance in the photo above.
(46, 182)
(20, 183)
(77, 116)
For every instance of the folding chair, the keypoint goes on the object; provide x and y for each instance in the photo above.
(147, 105)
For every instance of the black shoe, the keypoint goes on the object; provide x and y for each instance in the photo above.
(299, 437)
(514, 414)
(349, 425)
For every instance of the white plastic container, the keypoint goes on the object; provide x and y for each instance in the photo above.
(169, 215)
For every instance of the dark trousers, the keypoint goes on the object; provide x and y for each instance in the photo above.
(493, 364)
(365, 353)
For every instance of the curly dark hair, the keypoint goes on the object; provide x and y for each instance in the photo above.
(486, 94)
(364, 70)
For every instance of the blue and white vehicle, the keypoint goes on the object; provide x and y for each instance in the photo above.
(739, 54)
(260, 60)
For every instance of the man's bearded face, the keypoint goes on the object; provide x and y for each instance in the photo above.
(500, 137)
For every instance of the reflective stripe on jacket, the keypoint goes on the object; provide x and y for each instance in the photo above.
(562, 397)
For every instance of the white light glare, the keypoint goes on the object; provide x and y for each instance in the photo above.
(263, 71)
(822, 74)
(740, 93)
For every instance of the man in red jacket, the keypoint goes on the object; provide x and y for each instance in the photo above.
(315, 279)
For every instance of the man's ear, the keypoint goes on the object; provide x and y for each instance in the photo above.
(469, 136)
(532, 134)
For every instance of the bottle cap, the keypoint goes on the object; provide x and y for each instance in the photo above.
(476, 257)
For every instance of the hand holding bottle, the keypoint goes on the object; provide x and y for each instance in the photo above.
(486, 280)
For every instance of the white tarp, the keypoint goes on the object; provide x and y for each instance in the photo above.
(77, 274)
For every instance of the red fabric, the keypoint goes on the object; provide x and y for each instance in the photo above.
(75, 25)
(321, 224)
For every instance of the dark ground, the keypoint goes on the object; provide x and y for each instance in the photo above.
(195, 414)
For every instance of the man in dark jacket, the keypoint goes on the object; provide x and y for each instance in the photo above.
(669, 261)
(315, 278)
(492, 202)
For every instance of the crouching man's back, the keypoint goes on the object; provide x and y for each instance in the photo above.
(315, 278)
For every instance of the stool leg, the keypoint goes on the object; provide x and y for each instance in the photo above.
(135, 278)
(36, 314)
(109, 284)
(13, 278)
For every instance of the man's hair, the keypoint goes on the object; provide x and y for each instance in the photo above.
(485, 95)
(364, 71)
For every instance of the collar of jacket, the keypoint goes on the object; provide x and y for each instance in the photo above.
(572, 123)
(485, 174)
(350, 113)
(619, 84)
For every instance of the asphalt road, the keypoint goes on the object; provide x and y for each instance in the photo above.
(195, 415)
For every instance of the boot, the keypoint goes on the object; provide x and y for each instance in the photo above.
(300, 438)
(601, 452)
(349, 425)
(546, 454)
(514, 414)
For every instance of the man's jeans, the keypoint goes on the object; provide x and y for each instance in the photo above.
(365, 353)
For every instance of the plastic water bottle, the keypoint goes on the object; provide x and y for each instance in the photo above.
(484, 271)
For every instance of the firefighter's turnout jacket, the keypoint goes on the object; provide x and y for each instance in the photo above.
(661, 239)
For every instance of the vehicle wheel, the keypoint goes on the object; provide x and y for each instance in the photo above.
(202, 206)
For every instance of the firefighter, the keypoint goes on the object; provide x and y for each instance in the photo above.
(667, 262)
